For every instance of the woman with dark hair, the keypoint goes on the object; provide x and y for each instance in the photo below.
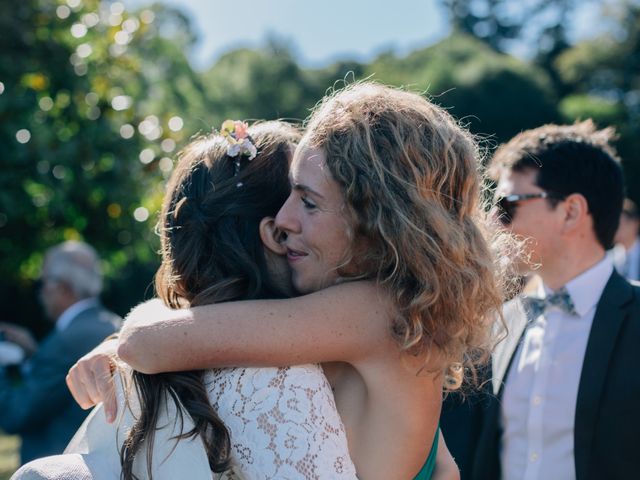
(219, 244)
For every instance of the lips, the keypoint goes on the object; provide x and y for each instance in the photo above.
(295, 255)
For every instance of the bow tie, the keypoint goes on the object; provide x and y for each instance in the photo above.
(560, 299)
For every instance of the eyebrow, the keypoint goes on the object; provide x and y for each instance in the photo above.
(304, 188)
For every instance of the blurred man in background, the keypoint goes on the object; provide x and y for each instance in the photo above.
(626, 253)
(38, 406)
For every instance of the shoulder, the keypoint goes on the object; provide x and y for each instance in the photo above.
(513, 317)
(363, 303)
(364, 295)
(622, 292)
(95, 318)
(89, 328)
(513, 308)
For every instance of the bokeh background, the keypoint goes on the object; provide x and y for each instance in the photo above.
(97, 97)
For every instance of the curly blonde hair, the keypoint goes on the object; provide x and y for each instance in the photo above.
(410, 176)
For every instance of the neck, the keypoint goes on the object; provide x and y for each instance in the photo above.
(568, 265)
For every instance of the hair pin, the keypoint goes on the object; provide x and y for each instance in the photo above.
(239, 143)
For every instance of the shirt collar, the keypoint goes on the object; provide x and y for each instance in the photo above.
(73, 311)
(585, 289)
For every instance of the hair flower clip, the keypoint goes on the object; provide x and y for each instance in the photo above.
(237, 136)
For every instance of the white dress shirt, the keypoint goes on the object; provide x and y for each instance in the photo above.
(541, 389)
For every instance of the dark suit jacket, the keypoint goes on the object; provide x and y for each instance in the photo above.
(607, 417)
(40, 407)
(460, 422)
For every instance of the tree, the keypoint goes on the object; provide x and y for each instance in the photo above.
(604, 77)
(539, 28)
(87, 119)
(265, 83)
(495, 94)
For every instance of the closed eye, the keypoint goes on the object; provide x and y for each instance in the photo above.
(307, 203)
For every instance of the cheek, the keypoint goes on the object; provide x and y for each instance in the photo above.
(338, 244)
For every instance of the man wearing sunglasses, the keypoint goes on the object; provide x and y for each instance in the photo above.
(40, 407)
(567, 393)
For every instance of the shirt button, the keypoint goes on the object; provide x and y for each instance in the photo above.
(533, 457)
(537, 400)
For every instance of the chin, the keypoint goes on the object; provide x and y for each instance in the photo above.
(302, 289)
(303, 286)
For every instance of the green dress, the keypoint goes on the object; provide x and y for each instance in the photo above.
(429, 466)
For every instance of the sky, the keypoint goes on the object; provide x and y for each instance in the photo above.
(322, 31)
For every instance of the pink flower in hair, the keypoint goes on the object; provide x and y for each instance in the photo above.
(241, 130)
(238, 140)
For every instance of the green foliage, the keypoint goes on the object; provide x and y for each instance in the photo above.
(603, 111)
(9, 455)
(604, 77)
(258, 84)
(497, 95)
(85, 121)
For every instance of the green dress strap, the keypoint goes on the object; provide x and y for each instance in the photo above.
(429, 466)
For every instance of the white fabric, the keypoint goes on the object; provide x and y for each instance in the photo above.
(283, 424)
(93, 452)
(541, 389)
(57, 467)
(73, 311)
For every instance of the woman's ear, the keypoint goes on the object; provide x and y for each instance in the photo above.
(271, 236)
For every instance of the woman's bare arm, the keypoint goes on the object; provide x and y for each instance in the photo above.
(346, 322)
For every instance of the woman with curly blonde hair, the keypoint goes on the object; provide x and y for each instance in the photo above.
(385, 238)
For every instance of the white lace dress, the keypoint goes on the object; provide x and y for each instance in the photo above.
(283, 424)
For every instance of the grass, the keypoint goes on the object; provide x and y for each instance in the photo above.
(9, 455)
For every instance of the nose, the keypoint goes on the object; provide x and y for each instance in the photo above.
(286, 219)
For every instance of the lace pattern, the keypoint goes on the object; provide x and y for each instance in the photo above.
(283, 423)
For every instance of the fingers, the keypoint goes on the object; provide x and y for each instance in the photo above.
(106, 389)
(77, 389)
(90, 381)
(84, 393)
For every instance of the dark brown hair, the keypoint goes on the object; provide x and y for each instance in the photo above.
(211, 252)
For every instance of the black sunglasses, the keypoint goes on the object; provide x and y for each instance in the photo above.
(507, 205)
